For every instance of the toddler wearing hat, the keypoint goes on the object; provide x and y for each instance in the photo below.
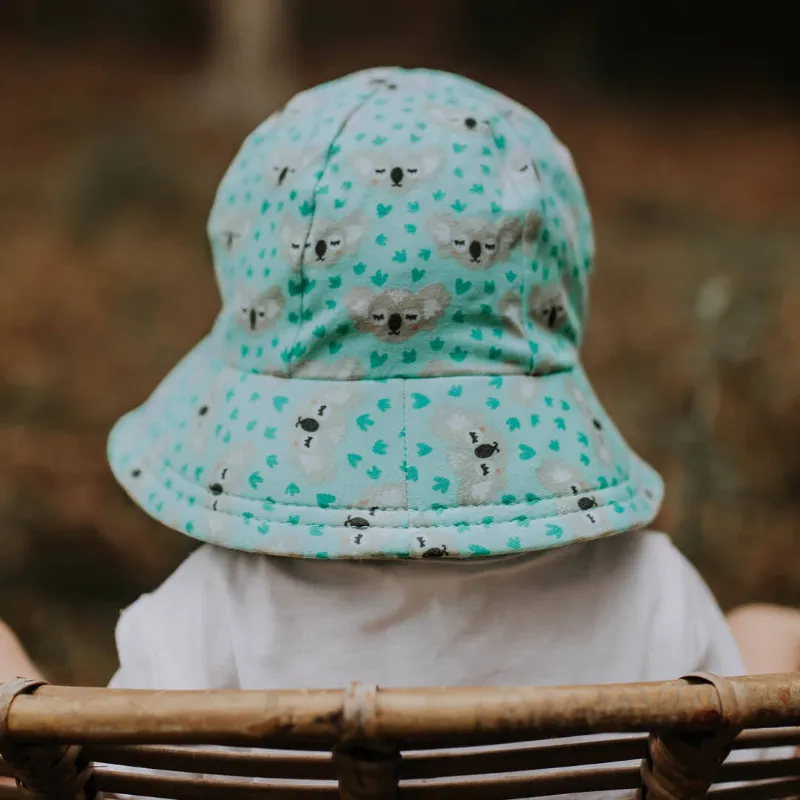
(387, 442)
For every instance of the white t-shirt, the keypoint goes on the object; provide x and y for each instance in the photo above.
(623, 609)
(626, 608)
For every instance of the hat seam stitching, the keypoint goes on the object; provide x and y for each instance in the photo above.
(455, 526)
(552, 499)
(405, 453)
(328, 157)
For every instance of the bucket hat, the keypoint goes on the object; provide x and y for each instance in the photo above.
(403, 260)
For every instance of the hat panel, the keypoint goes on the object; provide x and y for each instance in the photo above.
(418, 232)
(403, 259)
(460, 467)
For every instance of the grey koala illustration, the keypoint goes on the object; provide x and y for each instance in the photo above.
(458, 118)
(476, 453)
(260, 312)
(320, 424)
(230, 229)
(199, 429)
(560, 478)
(548, 306)
(398, 170)
(595, 430)
(477, 243)
(204, 418)
(283, 163)
(567, 485)
(395, 315)
(324, 243)
(230, 473)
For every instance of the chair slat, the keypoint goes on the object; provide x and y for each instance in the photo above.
(512, 787)
(306, 766)
(474, 761)
(774, 790)
(205, 788)
(526, 758)
(769, 737)
(415, 765)
(761, 770)
(493, 787)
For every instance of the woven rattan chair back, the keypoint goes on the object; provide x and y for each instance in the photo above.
(418, 744)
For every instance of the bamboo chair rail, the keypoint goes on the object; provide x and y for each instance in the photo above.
(412, 744)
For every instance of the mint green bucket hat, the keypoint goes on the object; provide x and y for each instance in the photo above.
(403, 258)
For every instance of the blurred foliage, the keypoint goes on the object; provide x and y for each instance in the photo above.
(107, 171)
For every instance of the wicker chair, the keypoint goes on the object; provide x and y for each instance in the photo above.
(411, 744)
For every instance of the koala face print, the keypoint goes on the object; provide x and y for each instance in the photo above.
(295, 240)
(324, 244)
(476, 453)
(320, 425)
(284, 162)
(281, 170)
(396, 170)
(261, 312)
(559, 478)
(231, 472)
(396, 315)
(474, 242)
(520, 179)
(458, 118)
(595, 430)
(548, 306)
(329, 242)
(564, 482)
(203, 418)
(230, 230)
(199, 429)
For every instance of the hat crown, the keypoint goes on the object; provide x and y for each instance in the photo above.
(401, 223)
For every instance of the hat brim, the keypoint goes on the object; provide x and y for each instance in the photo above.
(458, 466)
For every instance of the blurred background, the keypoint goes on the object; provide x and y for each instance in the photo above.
(118, 118)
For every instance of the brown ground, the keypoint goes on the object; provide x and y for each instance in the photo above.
(106, 176)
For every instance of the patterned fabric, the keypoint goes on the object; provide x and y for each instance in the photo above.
(403, 260)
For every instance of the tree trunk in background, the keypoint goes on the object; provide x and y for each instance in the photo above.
(252, 66)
